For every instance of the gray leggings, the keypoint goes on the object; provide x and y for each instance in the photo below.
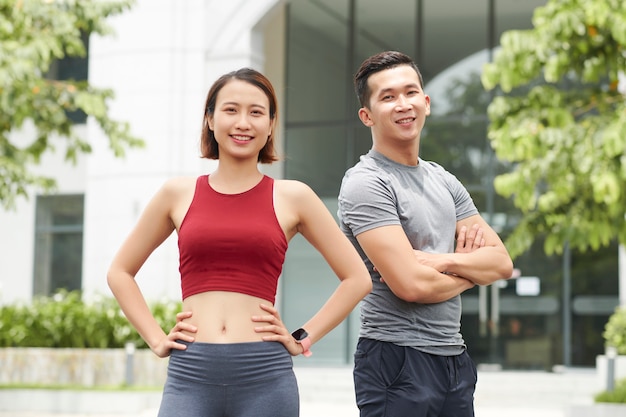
(230, 380)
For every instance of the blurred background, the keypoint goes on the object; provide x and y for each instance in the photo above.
(160, 60)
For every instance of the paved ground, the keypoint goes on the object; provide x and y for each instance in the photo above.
(511, 394)
(327, 392)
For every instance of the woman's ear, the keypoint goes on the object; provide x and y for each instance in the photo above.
(210, 122)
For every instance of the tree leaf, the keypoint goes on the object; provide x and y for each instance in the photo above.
(562, 122)
(32, 35)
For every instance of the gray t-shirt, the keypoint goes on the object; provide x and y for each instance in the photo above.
(427, 201)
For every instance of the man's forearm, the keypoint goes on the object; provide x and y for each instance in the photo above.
(430, 286)
(446, 287)
(483, 266)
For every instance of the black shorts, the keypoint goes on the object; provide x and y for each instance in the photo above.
(397, 381)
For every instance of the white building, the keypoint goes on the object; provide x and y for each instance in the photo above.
(161, 62)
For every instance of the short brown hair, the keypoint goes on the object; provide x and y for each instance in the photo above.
(376, 63)
(208, 145)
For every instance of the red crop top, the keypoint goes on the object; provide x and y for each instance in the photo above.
(231, 242)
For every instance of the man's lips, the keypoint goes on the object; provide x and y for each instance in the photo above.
(405, 120)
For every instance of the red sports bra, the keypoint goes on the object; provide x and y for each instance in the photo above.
(231, 242)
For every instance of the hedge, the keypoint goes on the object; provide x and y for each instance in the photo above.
(65, 320)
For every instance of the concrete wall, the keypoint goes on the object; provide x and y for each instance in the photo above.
(81, 367)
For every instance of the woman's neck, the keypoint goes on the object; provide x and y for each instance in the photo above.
(235, 178)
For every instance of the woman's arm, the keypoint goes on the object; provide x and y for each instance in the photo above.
(153, 227)
(318, 226)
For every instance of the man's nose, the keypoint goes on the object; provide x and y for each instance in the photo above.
(402, 103)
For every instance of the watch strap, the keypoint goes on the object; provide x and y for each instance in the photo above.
(306, 346)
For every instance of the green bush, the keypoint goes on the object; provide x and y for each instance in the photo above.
(618, 395)
(615, 330)
(65, 320)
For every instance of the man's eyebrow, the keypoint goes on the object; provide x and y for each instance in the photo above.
(389, 89)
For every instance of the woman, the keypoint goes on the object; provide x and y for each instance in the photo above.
(230, 351)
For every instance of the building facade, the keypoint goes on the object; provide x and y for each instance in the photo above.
(161, 62)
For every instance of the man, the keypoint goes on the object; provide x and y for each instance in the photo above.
(403, 214)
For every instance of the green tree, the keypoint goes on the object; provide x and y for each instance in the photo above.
(34, 34)
(561, 124)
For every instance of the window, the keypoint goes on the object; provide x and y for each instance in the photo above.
(72, 68)
(58, 243)
(326, 41)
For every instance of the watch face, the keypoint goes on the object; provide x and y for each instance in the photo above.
(299, 334)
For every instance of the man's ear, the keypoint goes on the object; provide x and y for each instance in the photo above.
(364, 115)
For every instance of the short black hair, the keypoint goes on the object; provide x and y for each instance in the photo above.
(376, 63)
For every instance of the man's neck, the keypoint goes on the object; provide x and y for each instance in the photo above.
(402, 155)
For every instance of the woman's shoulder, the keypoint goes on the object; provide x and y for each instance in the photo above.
(293, 189)
(178, 185)
(291, 185)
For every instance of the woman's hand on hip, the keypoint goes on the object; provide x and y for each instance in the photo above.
(178, 332)
(277, 327)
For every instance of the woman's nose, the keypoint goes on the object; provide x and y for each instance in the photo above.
(242, 122)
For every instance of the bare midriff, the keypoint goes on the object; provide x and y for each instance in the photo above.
(225, 317)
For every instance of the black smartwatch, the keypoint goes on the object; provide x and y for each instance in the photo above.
(302, 337)
(300, 334)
